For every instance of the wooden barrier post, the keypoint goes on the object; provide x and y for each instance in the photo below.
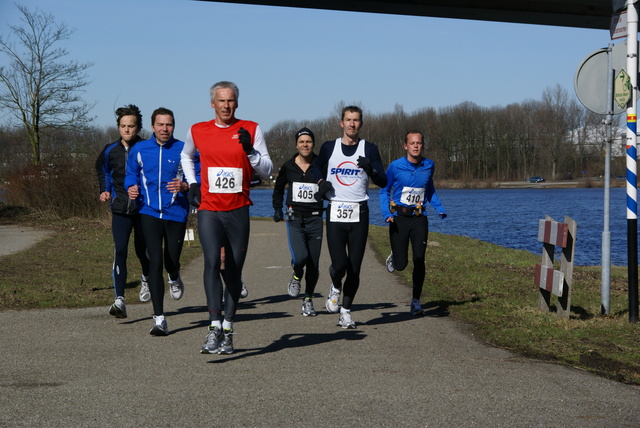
(550, 281)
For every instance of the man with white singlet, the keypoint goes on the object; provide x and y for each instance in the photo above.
(343, 169)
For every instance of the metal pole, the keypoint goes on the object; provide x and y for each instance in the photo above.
(632, 181)
(606, 233)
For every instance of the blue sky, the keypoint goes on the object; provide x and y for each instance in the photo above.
(300, 63)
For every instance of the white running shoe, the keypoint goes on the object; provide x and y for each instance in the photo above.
(332, 300)
(244, 292)
(294, 286)
(211, 343)
(118, 309)
(390, 266)
(307, 308)
(159, 326)
(145, 294)
(176, 288)
(416, 308)
(345, 320)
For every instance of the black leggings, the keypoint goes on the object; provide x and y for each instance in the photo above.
(347, 243)
(305, 244)
(416, 230)
(228, 229)
(121, 226)
(156, 233)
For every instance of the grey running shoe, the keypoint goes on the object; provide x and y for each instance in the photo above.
(176, 288)
(211, 343)
(332, 300)
(294, 286)
(145, 294)
(226, 346)
(159, 327)
(390, 266)
(118, 309)
(244, 292)
(345, 320)
(307, 308)
(416, 308)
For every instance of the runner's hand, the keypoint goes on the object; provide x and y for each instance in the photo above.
(245, 140)
(323, 189)
(365, 164)
(194, 194)
(278, 215)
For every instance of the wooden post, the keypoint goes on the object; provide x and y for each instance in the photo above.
(550, 281)
(566, 267)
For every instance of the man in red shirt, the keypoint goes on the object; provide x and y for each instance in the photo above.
(230, 150)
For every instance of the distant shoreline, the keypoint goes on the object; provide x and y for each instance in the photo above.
(480, 184)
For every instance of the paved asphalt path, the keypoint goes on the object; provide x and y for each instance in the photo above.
(82, 367)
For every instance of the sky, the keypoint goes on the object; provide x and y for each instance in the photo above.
(299, 64)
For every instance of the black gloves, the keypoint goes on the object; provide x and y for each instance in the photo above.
(277, 215)
(245, 140)
(194, 194)
(365, 164)
(323, 189)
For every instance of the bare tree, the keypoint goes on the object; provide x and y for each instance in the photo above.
(42, 90)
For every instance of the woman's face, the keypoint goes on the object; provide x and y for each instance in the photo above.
(128, 128)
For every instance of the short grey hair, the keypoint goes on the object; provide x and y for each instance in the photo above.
(224, 85)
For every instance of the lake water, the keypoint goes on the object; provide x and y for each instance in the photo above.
(509, 217)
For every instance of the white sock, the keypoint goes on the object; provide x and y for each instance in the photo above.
(158, 318)
(345, 311)
(216, 324)
(227, 325)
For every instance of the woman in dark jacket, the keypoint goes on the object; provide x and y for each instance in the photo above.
(111, 167)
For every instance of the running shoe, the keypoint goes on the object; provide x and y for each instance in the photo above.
(226, 346)
(118, 309)
(416, 308)
(211, 343)
(145, 294)
(332, 300)
(176, 288)
(390, 266)
(345, 320)
(244, 292)
(307, 307)
(159, 326)
(294, 286)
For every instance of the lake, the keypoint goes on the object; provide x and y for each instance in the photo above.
(509, 217)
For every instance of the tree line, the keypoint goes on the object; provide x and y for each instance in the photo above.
(554, 136)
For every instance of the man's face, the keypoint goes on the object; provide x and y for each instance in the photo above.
(163, 128)
(225, 105)
(414, 145)
(128, 128)
(351, 124)
(304, 145)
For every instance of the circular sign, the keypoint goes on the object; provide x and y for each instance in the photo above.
(591, 78)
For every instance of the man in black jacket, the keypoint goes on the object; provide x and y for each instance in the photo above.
(304, 217)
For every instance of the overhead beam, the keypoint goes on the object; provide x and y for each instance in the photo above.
(564, 13)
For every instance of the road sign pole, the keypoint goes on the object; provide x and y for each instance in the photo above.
(605, 289)
(632, 190)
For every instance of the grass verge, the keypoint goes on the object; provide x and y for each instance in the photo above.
(491, 289)
(70, 268)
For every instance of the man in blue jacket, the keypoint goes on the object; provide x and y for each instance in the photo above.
(402, 201)
(154, 172)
